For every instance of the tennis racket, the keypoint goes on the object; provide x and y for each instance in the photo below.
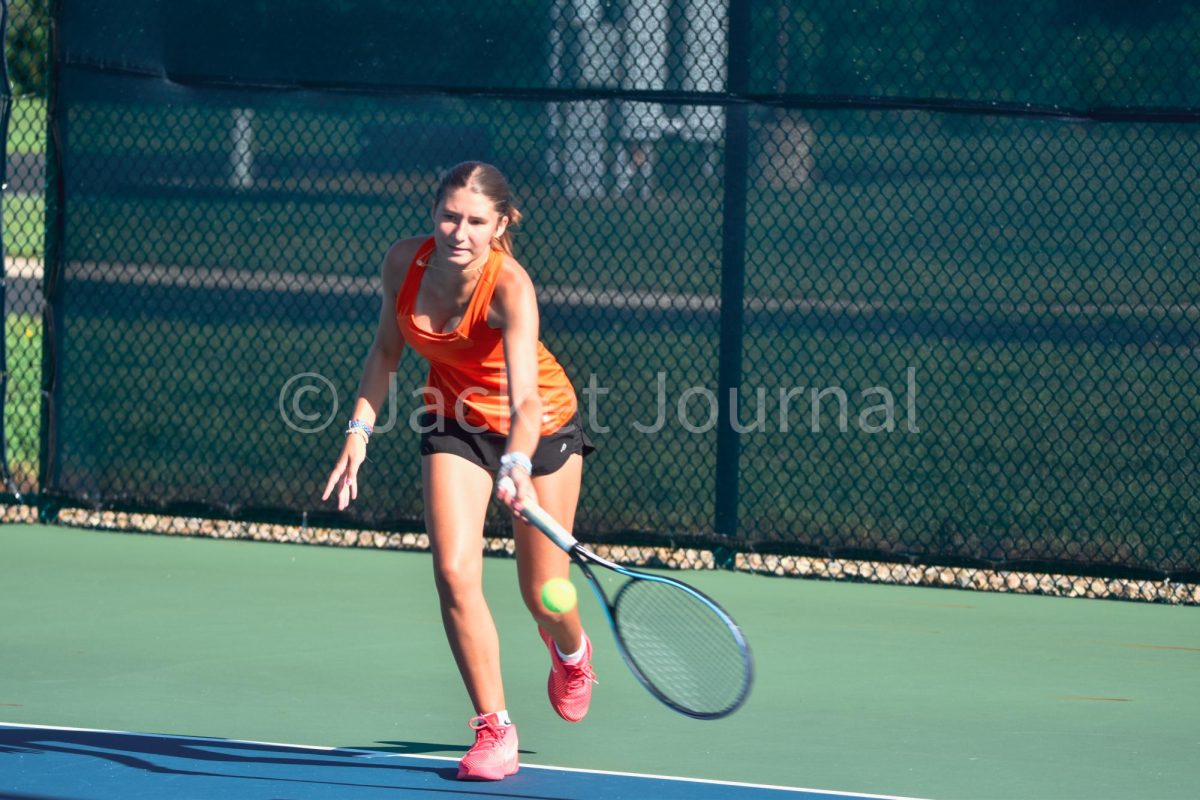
(682, 646)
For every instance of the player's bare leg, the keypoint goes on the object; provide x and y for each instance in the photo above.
(539, 559)
(569, 685)
(457, 494)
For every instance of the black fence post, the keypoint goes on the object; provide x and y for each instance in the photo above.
(52, 266)
(733, 269)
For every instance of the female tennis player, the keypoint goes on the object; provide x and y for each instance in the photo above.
(499, 405)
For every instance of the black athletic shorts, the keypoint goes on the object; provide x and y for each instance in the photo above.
(485, 449)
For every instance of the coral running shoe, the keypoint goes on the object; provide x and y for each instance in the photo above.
(570, 685)
(494, 754)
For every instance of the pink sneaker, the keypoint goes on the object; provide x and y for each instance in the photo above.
(570, 685)
(494, 754)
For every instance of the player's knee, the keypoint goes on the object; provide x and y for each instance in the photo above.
(456, 578)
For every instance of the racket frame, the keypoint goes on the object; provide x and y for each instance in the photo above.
(584, 558)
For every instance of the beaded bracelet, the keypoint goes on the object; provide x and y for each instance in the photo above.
(361, 428)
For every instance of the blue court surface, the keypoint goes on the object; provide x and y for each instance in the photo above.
(39, 763)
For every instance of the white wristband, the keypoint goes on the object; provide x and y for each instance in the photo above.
(510, 460)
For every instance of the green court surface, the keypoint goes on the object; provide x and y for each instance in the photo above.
(879, 689)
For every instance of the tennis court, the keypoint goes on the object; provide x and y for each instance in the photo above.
(168, 658)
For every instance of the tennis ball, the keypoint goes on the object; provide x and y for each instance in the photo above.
(558, 595)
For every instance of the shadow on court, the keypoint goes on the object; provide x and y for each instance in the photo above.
(42, 762)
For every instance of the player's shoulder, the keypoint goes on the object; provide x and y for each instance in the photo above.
(398, 259)
(513, 279)
(514, 296)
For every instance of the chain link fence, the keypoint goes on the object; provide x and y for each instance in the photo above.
(911, 283)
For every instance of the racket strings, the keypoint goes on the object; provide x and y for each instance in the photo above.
(684, 647)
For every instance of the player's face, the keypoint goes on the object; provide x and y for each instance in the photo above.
(464, 225)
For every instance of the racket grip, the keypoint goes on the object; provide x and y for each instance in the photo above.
(549, 526)
(539, 519)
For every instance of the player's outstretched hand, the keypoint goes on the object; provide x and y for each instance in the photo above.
(344, 476)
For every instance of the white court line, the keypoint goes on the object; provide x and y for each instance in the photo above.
(379, 754)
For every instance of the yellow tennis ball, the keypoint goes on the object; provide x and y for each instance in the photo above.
(558, 595)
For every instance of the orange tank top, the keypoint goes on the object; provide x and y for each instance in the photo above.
(467, 375)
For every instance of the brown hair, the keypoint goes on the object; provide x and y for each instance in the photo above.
(490, 182)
